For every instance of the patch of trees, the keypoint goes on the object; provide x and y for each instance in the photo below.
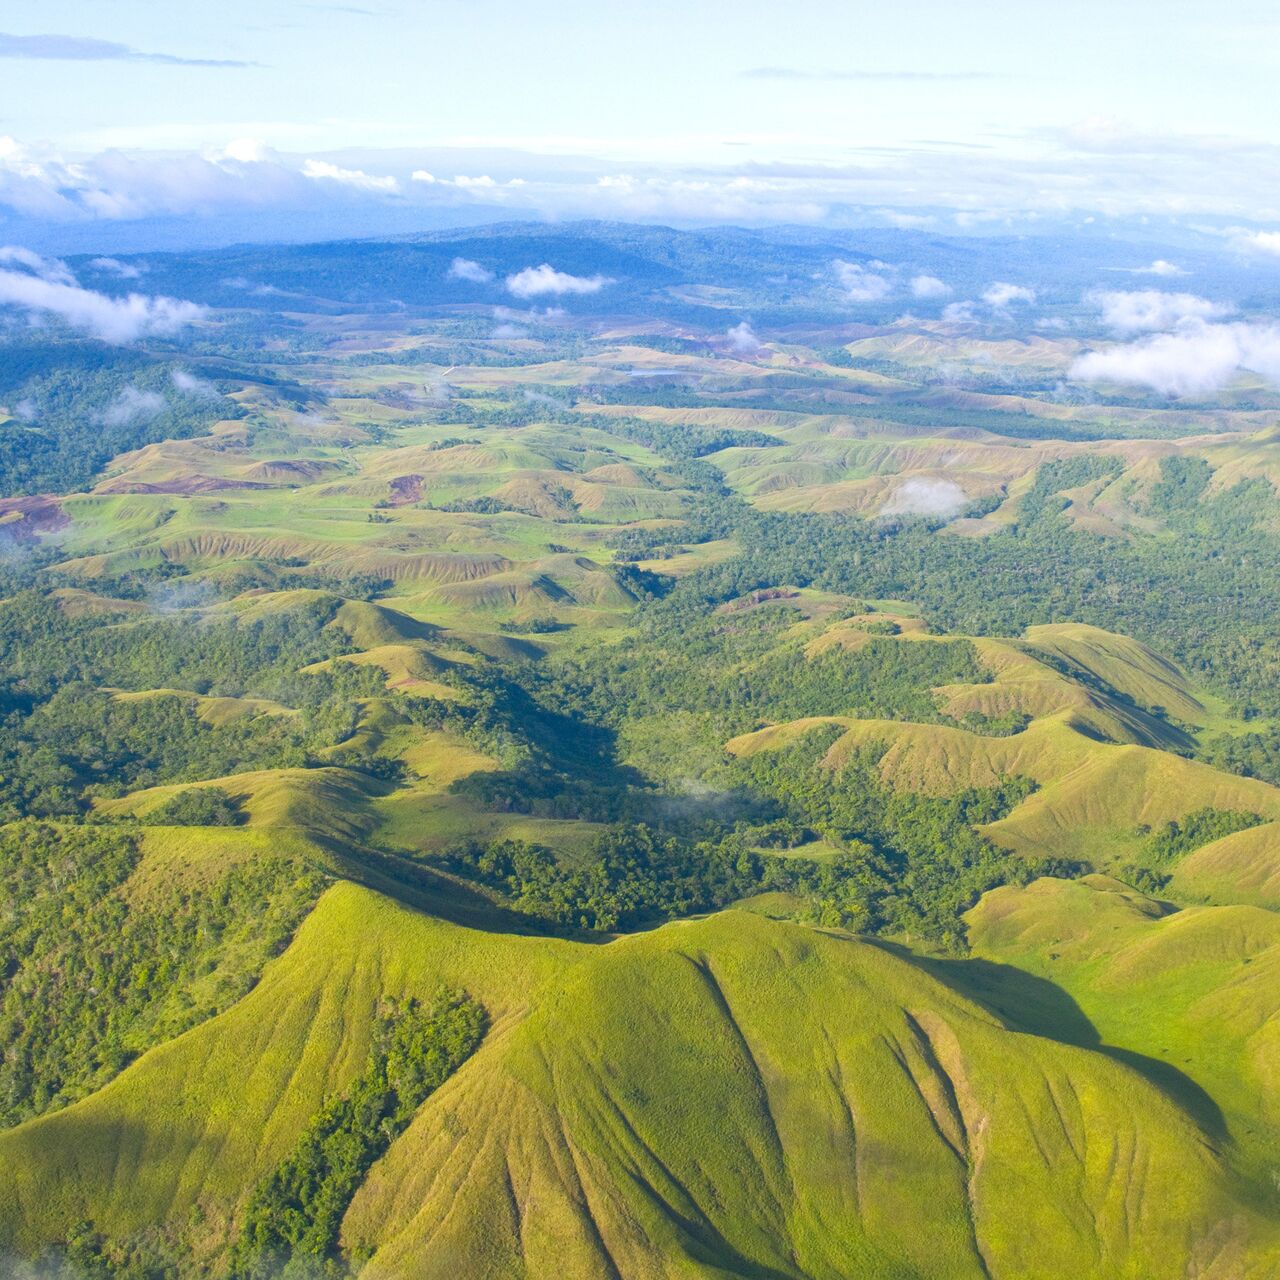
(915, 863)
(732, 671)
(88, 1254)
(907, 863)
(1202, 593)
(1252, 755)
(197, 807)
(1052, 479)
(1175, 839)
(64, 734)
(1183, 483)
(681, 441)
(633, 876)
(293, 1217)
(84, 738)
(41, 647)
(814, 393)
(82, 404)
(741, 666)
(91, 975)
(482, 506)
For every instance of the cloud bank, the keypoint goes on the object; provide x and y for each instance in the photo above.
(47, 288)
(1146, 310)
(1197, 360)
(1035, 175)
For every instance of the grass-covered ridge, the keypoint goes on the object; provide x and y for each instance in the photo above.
(576, 1136)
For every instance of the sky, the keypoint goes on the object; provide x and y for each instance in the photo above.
(924, 112)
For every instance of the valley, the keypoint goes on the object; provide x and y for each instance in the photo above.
(627, 792)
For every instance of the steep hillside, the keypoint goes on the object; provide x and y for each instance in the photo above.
(1191, 991)
(856, 1093)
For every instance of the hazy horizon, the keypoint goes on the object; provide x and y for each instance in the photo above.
(136, 125)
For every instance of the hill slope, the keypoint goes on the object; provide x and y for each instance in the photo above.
(867, 1116)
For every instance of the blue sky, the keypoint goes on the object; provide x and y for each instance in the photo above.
(754, 111)
(384, 73)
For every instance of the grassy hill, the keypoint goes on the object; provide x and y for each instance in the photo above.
(577, 1136)
(1191, 991)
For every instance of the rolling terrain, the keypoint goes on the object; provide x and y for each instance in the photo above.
(583, 793)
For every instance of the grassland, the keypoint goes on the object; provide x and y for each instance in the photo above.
(1079, 1080)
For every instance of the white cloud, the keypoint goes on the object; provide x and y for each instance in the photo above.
(323, 170)
(46, 268)
(534, 281)
(1262, 241)
(1160, 267)
(1198, 360)
(249, 286)
(939, 499)
(244, 151)
(132, 405)
(1144, 310)
(482, 183)
(908, 221)
(509, 331)
(113, 266)
(165, 169)
(929, 287)
(959, 313)
(191, 385)
(466, 269)
(859, 284)
(1002, 294)
(116, 320)
(742, 338)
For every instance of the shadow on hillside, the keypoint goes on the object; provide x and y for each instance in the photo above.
(1035, 1006)
(437, 893)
